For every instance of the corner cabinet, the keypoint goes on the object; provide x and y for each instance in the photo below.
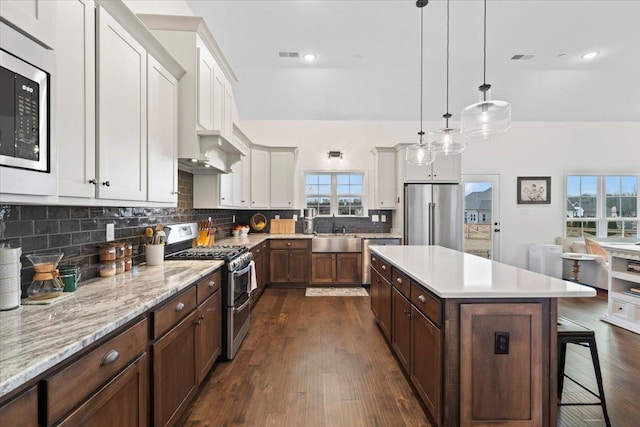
(623, 307)
(385, 178)
(282, 194)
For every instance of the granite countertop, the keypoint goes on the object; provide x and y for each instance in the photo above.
(33, 338)
(453, 274)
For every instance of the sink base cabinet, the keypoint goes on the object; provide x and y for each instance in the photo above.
(336, 268)
(447, 349)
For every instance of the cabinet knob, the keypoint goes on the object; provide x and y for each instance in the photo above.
(373, 259)
(179, 306)
(289, 244)
(212, 283)
(241, 201)
(421, 298)
(109, 357)
(175, 192)
(399, 280)
(107, 183)
(384, 267)
(93, 181)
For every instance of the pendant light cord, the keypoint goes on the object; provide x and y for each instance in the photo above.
(447, 115)
(421, 134)
(484, 77)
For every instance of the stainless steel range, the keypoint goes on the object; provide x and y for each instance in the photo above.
(236, 296)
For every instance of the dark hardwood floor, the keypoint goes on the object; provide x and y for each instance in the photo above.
(322, 361)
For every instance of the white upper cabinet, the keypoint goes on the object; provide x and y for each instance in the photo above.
(227, 120)
(162, 134)
(443, 169)
(226, 190)
(205, 87)
(282, 179)
(241, 183)
(75, 98)
(35, 18)
(122, 108)
(385, 177)
(259, 178)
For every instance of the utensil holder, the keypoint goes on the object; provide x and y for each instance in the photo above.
(154, 254)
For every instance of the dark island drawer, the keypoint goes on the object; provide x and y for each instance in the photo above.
(428, 304)
(402, 283)
(382, 266)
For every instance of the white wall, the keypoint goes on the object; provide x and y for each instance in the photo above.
(528, 149)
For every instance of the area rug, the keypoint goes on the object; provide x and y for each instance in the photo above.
(337, 292)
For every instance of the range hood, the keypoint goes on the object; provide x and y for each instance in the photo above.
(216, 154)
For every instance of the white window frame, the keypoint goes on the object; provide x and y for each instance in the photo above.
(601, 219)
(334, 191)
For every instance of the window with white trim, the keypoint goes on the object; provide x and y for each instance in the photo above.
(602, 206)
(334, 193)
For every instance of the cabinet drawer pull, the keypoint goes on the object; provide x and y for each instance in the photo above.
(212, 283)
(93, 181)
(289, 244)
(384, 267)
(107, 183)
(399, 280)
(197, 322)
(179, 306)
(421, 298)
(373, 259)
(110, 357)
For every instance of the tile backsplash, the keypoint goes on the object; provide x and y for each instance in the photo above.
(77, 231)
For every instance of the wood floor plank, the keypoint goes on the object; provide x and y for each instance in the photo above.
(322, 361)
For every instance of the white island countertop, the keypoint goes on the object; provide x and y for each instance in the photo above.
(453, 274)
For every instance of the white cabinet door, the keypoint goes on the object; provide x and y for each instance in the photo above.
(226, 189)
(218, 101)
(122, 112)
(385, 180)
(206, 66)
(227, 123)
(75, 98)
(162, 134)
(241, 183)
(282, 180)
(414, 173)
(446, 168)
(34, 17)
(259, 178)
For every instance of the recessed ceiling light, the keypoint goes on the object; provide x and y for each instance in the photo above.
(590, 55)
(309, 57)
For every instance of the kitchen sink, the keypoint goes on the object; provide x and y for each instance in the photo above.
(336, 243)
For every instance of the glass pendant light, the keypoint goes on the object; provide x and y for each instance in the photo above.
(447, 141)
(420, 154)
(487, 117)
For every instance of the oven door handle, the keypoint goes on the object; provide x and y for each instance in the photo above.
(241, 272)
(243, 306)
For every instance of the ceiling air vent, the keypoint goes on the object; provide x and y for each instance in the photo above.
(521, 57)
(289, 54)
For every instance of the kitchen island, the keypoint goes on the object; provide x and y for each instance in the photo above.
(476, 338)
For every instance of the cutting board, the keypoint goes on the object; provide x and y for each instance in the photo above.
(282, 226)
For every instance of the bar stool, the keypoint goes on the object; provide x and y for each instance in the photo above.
(570, 332)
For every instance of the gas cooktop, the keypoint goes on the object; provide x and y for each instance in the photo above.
(218, 252)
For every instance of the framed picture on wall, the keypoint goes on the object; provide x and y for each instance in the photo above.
(534, 190)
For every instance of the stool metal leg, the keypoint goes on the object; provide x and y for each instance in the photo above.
(596, 368)
(561, 359)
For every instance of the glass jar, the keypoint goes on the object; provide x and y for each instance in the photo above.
(107, 253)
(127, 264)
(119, 249)
(108, 269)
(128, 249)
(120, 266)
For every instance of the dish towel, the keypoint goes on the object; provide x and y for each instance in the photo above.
(253, 283)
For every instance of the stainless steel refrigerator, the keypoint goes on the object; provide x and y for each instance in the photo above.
(433, 215)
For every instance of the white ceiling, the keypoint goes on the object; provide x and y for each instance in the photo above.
(368, 52)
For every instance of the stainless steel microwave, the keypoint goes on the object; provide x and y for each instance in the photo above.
(24, 115)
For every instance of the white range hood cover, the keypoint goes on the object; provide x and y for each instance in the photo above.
(217, 154)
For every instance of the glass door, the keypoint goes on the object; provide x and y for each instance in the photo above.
(482, 216)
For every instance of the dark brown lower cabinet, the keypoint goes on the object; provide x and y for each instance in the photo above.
(426, 362)
(384, 307)
(123, 401)
(174, 371)
(323, 268)
(349, 268)
(22, 410)
(374, 291)
(401, 334)
(208, 335)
